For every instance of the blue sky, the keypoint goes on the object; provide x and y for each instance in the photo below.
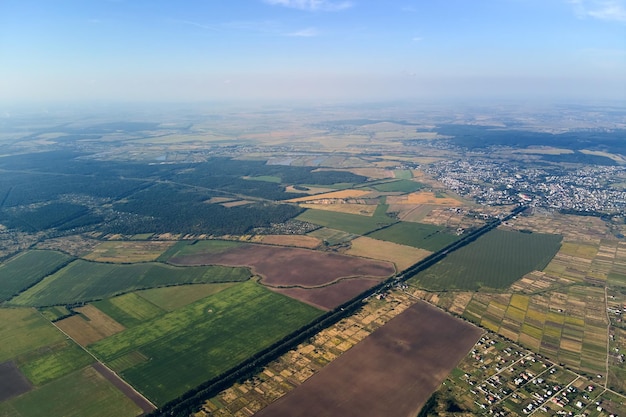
(189, 50)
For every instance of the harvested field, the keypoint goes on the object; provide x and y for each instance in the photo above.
(330, 296)
(12, 381)
(292, 266)
(86, 332)
(128, 252)
(237, 203)
(391, 373)
(402, 256)
(332, 195)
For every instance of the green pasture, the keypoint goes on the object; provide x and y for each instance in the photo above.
(84, 393)
(331, 236)
(351, 223)
(402, 185)
(83, 281)
(27, 269)
(404, 174)
(203, 339)
(418, 235)
(23, 330)
(494, 260)
(172, 298)
(55, 312)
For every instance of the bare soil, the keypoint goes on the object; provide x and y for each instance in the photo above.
(391, 373)
(288, 267)
(12, 381)
(330, 296)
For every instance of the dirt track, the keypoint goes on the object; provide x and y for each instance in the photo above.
(391, 373)
(126, 389)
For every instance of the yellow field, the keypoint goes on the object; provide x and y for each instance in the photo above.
(308, 242)
(343, 194)
(423, 197)
(361, 209)
(580, 250)
(402, 256)
(123, 251)
(86, 332)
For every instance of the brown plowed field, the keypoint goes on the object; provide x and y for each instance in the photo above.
(12, 381)
(330, 296)
(292, 266)
(391, 373)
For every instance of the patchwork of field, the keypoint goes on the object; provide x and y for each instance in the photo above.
(402, 256)
(70, 285)
(424, 236)
(28, 268)
(128, 252)
(90, 326)
(419, 347)
(494, 260)
(282, 267)
(201, 340)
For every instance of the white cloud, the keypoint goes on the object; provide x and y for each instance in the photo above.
(313, 5)
(614, 10)
(305, 33)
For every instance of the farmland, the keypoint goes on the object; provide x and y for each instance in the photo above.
(27, 269)
(418, 235)
(495, 260)
(402, 256)
(127, 252)
(69, 286)
(351, 223)
(202, 339)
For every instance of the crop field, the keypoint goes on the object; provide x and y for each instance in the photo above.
(331, 236)
(404, 174)
(84, 393)
(343, 194)
(198, 246)
(56, 361)
(402, 256)
(129, 309)
(83, 281)
(419, 347)
(425, 197)
(351, 223)
(23, 330)
(27, 269)
(203, 339)
(495, 260)
(128, 252)
(281, 266)
(418, 235)
(298, 241)
(340, 207)
(172, 298)
(89, 326)
(401, 185)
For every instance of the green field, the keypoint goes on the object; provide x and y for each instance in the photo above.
(418, 235)
(27, 269)
(331, 236)
(54, 362)
(199, 246)
(494, 260)
(23, 330)
(84, 393)
(404, 174)
(172, 298)
(129, 309)
(402, 185)
(83, 281)
(203, 339)
(266, 178)
(351, 223)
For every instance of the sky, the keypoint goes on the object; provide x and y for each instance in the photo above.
(361, 50)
